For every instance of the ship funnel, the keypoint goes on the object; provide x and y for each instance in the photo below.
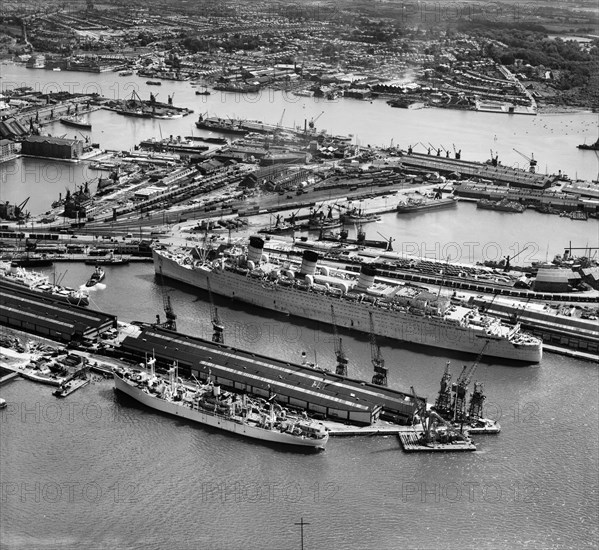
(255, 249)
(309, 260)
(366, 279)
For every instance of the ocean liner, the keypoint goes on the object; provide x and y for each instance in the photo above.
(400, 312)
(207, 404)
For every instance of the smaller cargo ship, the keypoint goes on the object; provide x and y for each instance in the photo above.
(591, 147)
(96, 277)
(503, 205)
(207, 404)
(416, 204)
(76, 122)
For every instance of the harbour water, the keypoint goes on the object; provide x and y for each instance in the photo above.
(97, 471)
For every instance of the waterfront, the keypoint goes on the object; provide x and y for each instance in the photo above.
(551, 137)
(100, 455)
(147, 480)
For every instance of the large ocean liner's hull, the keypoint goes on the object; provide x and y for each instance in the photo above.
(220, 422)
(426, 330)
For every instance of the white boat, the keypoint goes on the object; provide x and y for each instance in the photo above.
(207, 404)
(400, 312)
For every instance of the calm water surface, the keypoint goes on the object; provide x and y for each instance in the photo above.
(97, 471)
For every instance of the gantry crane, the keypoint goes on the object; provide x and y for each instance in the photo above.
(461, 387)
(341, 368)
(380, 371)
(532, 163)
(217, 326)
(458, 154)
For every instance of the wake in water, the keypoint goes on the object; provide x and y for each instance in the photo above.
(97, 286)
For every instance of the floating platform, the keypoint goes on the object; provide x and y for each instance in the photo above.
(70, 387)
(411, 443)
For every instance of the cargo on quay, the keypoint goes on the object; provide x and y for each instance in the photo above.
(399, 312)
(206, 404)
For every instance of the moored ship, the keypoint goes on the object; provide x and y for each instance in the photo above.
(400, 312)
(230, 126)
(207, 404)
(416, 204)
(503, 205)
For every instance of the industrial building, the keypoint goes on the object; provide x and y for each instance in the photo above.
(556, 280)
(315, 390)
(52, 147)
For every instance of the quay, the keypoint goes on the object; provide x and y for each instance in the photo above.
(32, 311)
(314, 390)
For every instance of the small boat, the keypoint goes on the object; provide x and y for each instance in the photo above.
(2, 403)
(153, 83)
(111, 259)
(96, 277)
(67, 388)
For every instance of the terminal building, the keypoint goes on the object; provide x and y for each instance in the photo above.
(52, 147)
(32, 311)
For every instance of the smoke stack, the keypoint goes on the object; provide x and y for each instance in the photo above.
(255, 249)
(309, 260)
(367, 274)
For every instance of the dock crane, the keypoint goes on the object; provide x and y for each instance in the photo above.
(389, 242)
(217, 325)
(169, 312)
(341, 368)
(437, 149)
(380, 371)
(312, 123)
(532, 163)
(458, 154)
(508, 259)
(460, 388)
(494, 158)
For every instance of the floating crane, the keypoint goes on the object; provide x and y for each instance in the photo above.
(461, 388)
(443, 402)
(380, 371)
(532, 163)
(341, 368)
(169, 312)
(435, 428)
(217, 326)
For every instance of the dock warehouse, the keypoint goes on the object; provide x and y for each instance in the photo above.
(323, 392)
(31, 311)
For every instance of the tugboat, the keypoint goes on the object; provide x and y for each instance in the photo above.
(584, 146)
(96, 277)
